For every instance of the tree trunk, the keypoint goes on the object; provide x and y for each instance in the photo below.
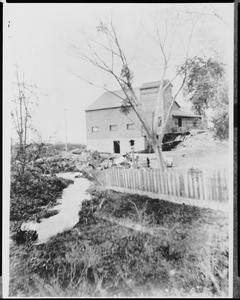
(157, 147)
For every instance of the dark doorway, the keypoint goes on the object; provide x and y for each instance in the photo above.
(116, 147)
(180, 122)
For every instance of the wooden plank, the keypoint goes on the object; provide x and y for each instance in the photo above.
(144, 173)
(159, 189)
(106, 177)
(145, 180)
(177, 184)
(142, 179)
(134, 179)
(153, 190)
(139, 179)
(166, 181)
(201, 186)
(156, 176)
(169, 183)
(220, 186)
(121, 178)
(126, 178)
(117, 177)
(195, 185)
(160, 183)
(109, 177)
(177, 179)
(181, 184)
(129, 179)
(211, 186)
(173, 182)
(186, 190)
(225, 180)
(215, 182)
(190, 188)
(152, 181)
(227, 184)
(205, 184)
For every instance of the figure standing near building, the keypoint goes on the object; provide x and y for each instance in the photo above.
(148, 162)
(136, 160)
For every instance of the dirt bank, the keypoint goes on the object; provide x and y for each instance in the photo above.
(198, 150)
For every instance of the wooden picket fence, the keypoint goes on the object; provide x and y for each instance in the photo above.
(205, 188)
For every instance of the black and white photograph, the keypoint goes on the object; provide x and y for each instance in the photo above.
(118, 150)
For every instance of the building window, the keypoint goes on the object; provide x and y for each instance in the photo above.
(130, 126)
(179, 122)
(95, 129)
(113, 127)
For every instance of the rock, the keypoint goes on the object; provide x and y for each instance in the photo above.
(78, 176)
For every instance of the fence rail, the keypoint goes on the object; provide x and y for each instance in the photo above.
(206, 188)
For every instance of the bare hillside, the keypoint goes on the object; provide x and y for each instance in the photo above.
(201, 150)
(198, 150)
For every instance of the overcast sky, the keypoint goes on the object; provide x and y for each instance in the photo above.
(37, 38)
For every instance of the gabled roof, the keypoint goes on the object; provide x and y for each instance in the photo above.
(110, 100)
(113, 99)
(184, 112)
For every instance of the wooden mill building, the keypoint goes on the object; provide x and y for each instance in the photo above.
(109, 130)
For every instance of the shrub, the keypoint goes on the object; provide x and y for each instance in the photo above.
(221, 124)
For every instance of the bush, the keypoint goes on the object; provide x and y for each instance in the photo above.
(221, 124)
(29, 194)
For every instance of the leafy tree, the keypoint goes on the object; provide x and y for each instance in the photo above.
(220, 106)
(202, 80)
(207, 88)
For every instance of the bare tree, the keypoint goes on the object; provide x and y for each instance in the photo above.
(115, 63)
(21, 115)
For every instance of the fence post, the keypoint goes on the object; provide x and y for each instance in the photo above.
(141, 179)
(205, 184)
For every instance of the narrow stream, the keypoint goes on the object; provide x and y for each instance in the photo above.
(68, 207)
